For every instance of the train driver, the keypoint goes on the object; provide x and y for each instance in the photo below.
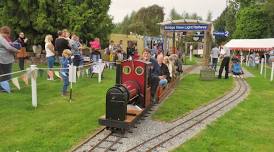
(154, 75)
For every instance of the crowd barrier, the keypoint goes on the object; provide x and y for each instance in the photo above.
(33, 71)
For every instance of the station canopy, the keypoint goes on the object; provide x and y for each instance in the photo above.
(251, 44)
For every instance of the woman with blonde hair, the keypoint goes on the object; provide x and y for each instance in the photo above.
(50, 53)
(169, 65)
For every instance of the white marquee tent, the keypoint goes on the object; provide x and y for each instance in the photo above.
(251, 44)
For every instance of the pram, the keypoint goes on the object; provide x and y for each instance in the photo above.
(236, 68)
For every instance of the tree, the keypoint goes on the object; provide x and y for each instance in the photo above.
(174, 15)
(220, 25)
(248, 3)
(209, 16)
(185, 15)
(230, 20)
(195, 16)
(270, 11)
(36, 18)
(251, 23)
(143, 22)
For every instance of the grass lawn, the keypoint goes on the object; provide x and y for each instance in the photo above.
(248, 127)
(56, 125)
(189, 95)
(194, 60)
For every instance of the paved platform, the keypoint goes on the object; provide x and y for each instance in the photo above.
(198, 69)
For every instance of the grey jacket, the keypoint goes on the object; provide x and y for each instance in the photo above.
(7, 52)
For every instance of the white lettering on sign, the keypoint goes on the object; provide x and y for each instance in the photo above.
(186, 27)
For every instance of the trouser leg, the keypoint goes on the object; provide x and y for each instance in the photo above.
(221, 69)
(227, 67)
(154, 85)
(21, 63)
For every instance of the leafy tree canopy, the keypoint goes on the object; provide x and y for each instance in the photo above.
(87, 18)
(251, 23)
(174, 15)
(143, 22)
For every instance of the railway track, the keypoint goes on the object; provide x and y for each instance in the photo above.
(156, 143)
(104, 140)
(107, 141)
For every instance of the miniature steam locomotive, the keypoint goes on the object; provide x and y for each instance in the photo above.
(130, 98)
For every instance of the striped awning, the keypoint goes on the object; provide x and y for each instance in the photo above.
(257, 45)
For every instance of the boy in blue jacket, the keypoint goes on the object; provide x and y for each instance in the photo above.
(65, 62)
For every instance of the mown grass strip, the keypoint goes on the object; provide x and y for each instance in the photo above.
(194, 60)
(248, 127)
(190, 94)
(56, 125)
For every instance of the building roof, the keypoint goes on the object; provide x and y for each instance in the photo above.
(251, 44)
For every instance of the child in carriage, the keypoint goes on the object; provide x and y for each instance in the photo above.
(236, 68)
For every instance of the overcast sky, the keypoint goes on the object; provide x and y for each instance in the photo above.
(120, 8)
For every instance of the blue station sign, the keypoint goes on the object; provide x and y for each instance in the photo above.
(221, 34)
(193, 27)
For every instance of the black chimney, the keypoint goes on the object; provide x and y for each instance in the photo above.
(118, 72)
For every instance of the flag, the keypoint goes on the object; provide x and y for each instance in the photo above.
(57, 74)
(15, 82)
(87, 71)
(24, 77)
(64, 74)
(28, 73)
(6, 86)
(78, 74)
(51, 74)
(34, 74)
(82, 73)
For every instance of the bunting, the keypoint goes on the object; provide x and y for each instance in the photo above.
(78, 74)
(24, 77)
(87, 71)
(51, 74)
(28, 73)
(57, 74)
(82, 73)
(15, 82)
(34, 73)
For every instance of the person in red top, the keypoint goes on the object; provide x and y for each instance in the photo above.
(95, 50)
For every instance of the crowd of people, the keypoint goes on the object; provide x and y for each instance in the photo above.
(252, 60)
(164, 69)
(67, 49)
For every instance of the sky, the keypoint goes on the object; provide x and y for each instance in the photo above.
(120, 8)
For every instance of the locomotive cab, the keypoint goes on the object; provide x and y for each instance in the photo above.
(130, 98)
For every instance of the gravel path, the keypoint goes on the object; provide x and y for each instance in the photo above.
(246, 73)
(149, 128)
